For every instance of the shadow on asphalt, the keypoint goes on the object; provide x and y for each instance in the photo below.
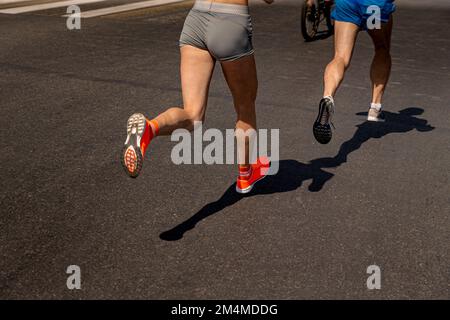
(292, 173)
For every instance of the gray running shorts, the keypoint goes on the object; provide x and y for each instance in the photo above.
(225, 30)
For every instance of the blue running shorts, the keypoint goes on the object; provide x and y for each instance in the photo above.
(359, 11)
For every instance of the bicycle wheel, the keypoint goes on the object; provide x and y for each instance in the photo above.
(310, 21)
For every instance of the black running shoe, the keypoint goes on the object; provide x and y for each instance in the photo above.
(322, 125)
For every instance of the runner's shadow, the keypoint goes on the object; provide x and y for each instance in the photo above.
(292, 173)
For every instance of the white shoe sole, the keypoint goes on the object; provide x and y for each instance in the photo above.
(131, 154)
(249, 188)
(375, 119)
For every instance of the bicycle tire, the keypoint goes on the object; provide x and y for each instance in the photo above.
(304, 28)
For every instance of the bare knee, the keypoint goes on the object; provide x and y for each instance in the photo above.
(245, 98)
(342, 60)
(245, 109)
(246, 118)
(192, 117)
(382, 50)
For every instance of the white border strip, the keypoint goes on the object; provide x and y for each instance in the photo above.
(124, 8)
(11, 1)
(46, 6)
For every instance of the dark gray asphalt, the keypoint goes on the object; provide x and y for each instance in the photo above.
(309, 232)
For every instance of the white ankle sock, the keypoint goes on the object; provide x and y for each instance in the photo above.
(376, 106)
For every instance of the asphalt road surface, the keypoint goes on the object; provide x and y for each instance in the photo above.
(377, 195)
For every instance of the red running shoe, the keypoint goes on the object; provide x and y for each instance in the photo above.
(257, 171)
